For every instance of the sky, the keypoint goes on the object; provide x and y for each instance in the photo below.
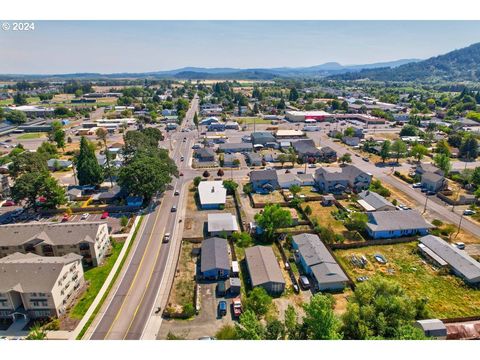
(59, 47)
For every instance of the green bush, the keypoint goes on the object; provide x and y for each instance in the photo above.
(123, 221)
(188, 310)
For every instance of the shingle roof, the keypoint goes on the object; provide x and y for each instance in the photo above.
(214, 254)
(459, 260)
(212, 192)
(222, 222)
(432, 177)
(263, 265)
(204, 152)
(346, 173)
(375, 200)
(32, 273)
(263, 175)
(48, 233)
(305, 146)
(397, 220)
(235, 146)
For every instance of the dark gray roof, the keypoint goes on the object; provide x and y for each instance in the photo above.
(432, 177)
(263, 265)
(214, 254)
(204, 152)
(305, 146)
(375, 200)
(235, 146)
(397, 220)
(263, 175)
(459, 260)
(432, 327)
(346, 173)
(427, 167)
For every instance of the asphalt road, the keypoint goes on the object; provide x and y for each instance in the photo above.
(125, 315)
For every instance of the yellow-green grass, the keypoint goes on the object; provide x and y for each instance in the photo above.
(29, 136)
(448, 296)
(324, 217)
(251, 120)
(271, 198)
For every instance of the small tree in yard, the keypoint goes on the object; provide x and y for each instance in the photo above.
(242, 239)
(295, 189)
(197, 180)
(206, 174)
(123, 221)
(273, 217)
(357, 221)
(258, 301)
(247, 188)
(230, 185)
(308, 210)
(345, 158)
(320, 321)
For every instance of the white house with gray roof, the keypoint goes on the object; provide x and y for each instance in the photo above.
(87, 239)
(212, 194)
(393, 224)
(319, 263)
(33, 286)
(460, 263)
(221, 223)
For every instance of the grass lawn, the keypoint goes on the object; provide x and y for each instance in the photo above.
(324, 216)
(447, 295)
(271, 198)
(6, 102)
(308, 191)
(251, 120)
(95, 277)
(29, 136)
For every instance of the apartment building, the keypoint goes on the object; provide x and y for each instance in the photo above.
(89, 240)
(33, 286)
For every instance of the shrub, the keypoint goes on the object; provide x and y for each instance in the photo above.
(188, 310)
(123, 221)
(437, 222)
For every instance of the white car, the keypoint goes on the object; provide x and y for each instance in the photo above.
(84, 216)
(469, 212)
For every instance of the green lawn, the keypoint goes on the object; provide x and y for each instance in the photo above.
(6, 102)
(29, 136)
(95, 277)
(447, 295)
(251, 120)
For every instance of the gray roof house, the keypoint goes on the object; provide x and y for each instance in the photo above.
(327, 154)
(205, 154)
(264, 269)
(254, 159)
(427, 168)
(392, 224)
(318, 262)
(262, 137)
(215, 260)
(461, 264)
(264, 180)
(433, 181)
(351, 140)
(371, 201)
(434, 328)
(306, 149)
(235, 147)
(338, 179)
(57, 164)
(222, 223)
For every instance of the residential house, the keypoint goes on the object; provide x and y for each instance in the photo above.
(433, 181)
(88, 239)
(393, 224)
(205, 155)
(230, 148)
(371, 201)
(262, 137)
(306, 149)
(230, 160)
(212, 194)
(209, 121)
(264, 269)
(337, 180)
(232, 125)
(215, 260)
(33, 286)
(111, 195)
(264, 180)
(75, 194)
(459, 262)
(427, 168)
(220, 224)
(254, 159)
(328, 155)
(319, 263)
(351, 140)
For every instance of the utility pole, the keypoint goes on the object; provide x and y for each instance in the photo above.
(426, 201)
(459, 225)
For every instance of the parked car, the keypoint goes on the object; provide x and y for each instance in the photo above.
(468, 212)
(176, 193)
(312, 166)
(222, 308)
(417, 185)
(430, 193)
(182, 158)
(296, 288)
(287, 265)
(84, 216)
(304, 282)
(366, 159)
(166, 237)
(9, 203)
(460, 245)
(65, 218)
(104, 215)
(237, 307)
(174, 209)
(181, 174)
(207, 338)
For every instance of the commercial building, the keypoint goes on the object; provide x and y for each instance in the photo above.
(33, 286)
(301, 116)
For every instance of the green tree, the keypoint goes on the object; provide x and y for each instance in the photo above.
(57, 134)
(475, 177)
(399, 148)
(26, 161)
(293, 96)
(443, 163)
(418, 151)
(247, 188)
(320, 322)
(292, 327)
(249, 328)
(275, 330)
(230, 185)
(443, 147)
(227, 332)
(357, 221)
(385, 150)
(409, 130)
(379, 308)
(88, 170)
(20, 99)
(197, 180)
(345, 158)
(36, 332)
(308, 210)
(195, 120)
(282, 158)
(273, 217)
(295, 189)
(47, 150)
(349, 131)
(242, 239)
(469, 148)
(102, 136)
(16, 117)
(258, 301)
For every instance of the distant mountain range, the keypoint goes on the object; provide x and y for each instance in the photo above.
(194, 73)
(458, 65)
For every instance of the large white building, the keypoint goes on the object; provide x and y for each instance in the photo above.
(212, 194)
(33, 286)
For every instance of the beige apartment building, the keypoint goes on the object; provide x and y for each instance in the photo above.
(89, 240)
(33, 286)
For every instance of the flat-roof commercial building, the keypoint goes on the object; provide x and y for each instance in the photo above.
(301, 116)
(33, 286)
(89, 240)
(459, 262)
(212, 194)
(264, 269)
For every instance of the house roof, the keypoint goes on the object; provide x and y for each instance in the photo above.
(28, 273)
(214, 254)
(397, 220)
(428, 168)
(49, 233)
(432, 177)
(212, 192)
(235, 146)
(61, 163)
(260, 175)
(459, 260)
(306, 146)
(374, 201)
(346, 173)
(263, 265)
(222, 222)
(204, 152)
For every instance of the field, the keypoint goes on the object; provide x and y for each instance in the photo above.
(324, 216)
(447, 295)
(272, 198)
(95, 277)
(30, 136)
(251, 120)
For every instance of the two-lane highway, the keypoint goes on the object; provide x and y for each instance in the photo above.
(128, 307)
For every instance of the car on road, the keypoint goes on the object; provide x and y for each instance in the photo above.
(166, 238)
(176, 193)
(312, 166)
(84, 216)
(431, 193)
(222, 308)
(366, 159)
(181, 174)
(65, 218)
(460, 245)
(182, 158)
(196, 146)
(304, 282)
(469, 212)
(184, 139)
(173, 209)
(104, 215)
(417, 185)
